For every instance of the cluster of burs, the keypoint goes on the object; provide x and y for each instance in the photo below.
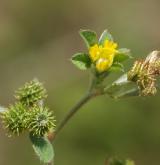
(29, 113)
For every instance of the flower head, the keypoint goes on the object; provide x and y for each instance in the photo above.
(103, 55)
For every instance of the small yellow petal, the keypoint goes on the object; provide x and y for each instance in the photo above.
(110, 44)
(103, 64)
(106, 53)
(95, 52)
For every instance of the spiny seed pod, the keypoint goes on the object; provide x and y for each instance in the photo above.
(145, 72)
(14, 119)
(40, 121)
(31, 93)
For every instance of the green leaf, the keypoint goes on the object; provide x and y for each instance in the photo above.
(122, 88)
(81, 60)
(89, 37)
(122, 80)
(116, 67)
(122, 55)
(43, 148)
(132, 92)
(105, 36)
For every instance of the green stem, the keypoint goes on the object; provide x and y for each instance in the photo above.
(90, 94)
(72, 111)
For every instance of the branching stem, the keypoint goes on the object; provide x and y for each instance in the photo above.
(90, 94)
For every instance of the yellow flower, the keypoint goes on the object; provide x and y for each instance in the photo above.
(103, 55)
(109, 48)
(110, 45)
(95, 52)
(103, 64)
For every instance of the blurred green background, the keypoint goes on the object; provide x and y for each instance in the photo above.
(37, 38)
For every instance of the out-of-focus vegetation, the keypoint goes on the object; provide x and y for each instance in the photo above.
(36, 40)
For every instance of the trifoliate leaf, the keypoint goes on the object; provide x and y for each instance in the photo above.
(43, 148)
(122, 55)
(81, 60)
(105, 36)
(116, 67)
(89, 37)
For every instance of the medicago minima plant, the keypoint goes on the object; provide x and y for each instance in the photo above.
(102, 58)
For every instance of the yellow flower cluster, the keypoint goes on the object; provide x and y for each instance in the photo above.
(103, 56)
